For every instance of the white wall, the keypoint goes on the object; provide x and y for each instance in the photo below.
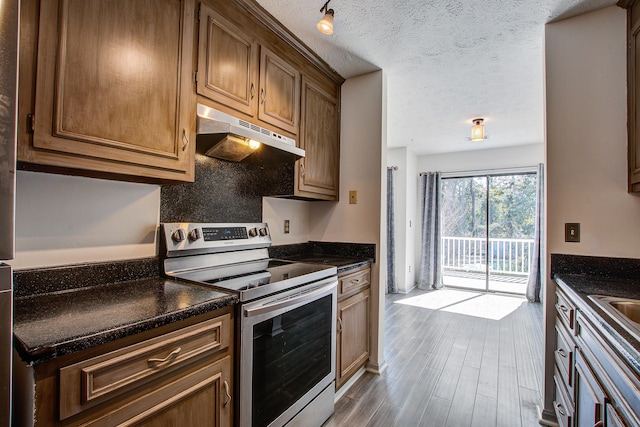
(64, 220)
(495, 158)
(362, 161)
(275, 211)
(586, 146)
(405, 203)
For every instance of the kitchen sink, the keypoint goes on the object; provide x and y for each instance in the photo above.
(625, 311)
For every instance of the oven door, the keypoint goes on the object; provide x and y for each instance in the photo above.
(287, 355)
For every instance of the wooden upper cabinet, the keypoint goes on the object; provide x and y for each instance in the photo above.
(227, 63)
(318, 174)
(113, 88)
(633, 76)
(279, 92)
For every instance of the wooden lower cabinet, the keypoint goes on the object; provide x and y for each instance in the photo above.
(592, 386)
(197, 398)
(181, 376)
(353, 329)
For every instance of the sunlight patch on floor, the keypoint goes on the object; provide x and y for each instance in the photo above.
(477, 304)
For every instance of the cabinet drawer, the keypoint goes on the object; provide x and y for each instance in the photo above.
(561, 404)
(201, 397)
(96, 380)
(564, 354)
(566, 311)
(353, 282)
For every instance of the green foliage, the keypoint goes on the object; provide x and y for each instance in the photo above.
(512, 202)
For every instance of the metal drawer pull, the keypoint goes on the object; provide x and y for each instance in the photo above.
(301, 169)
(185, 139)
(262, 96)
(253, 91)
(563, 308)
(340, 324)
(561, 352)
(227, 395)
(561, 409)
(170, 357)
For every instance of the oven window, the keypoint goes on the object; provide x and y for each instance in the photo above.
(291, 354)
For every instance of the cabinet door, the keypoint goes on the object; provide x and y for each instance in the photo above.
(634, 97)
(198, 398)
(352, 335)
(113, 87)
(318, 174)
(589, 395)
(279, 92)
(613, 417)
(227, 63)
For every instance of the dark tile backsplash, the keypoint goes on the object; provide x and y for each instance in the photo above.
(224, 192)
(346, 250)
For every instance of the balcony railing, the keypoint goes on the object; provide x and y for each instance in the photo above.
(506, 256)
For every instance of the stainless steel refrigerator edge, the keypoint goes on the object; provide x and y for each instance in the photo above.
(9, 18)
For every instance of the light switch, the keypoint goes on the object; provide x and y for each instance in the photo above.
(572, 232)
(353, 197)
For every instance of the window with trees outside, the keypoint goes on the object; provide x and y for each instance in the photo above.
(488, 228)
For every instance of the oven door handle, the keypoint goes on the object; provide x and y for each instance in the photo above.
(291, 300)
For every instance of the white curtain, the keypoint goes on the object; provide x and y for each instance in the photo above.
(392, 286)
(536, 268)
(430, 269)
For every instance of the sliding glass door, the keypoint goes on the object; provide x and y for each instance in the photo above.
(488, 225)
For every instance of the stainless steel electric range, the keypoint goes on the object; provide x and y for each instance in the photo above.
(286, 318)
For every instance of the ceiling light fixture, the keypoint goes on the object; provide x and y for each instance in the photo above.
(325, 25)
(477, 130)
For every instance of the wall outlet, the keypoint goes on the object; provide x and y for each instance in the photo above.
(572, 232)
(286, 226)
(353, 197)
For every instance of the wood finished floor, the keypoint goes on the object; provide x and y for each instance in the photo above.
(448, 369)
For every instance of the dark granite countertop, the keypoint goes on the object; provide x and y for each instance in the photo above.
(344, 256)
(342, 264)
(54, 324)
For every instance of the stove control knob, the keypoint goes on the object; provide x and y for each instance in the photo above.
(179, 235)
(195, 234)
(253, 232)
(264, 231)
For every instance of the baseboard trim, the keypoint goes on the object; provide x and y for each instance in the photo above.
(546, 417)
(374, 368)
(351, 381)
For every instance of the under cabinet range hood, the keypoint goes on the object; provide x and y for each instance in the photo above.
(225, 137)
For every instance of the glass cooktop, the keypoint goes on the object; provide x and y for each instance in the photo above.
(259, 278)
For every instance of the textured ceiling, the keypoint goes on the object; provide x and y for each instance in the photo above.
(446, 62)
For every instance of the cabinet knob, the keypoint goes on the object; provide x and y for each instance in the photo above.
(561, 352)
(560, 409)
(301, 168)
